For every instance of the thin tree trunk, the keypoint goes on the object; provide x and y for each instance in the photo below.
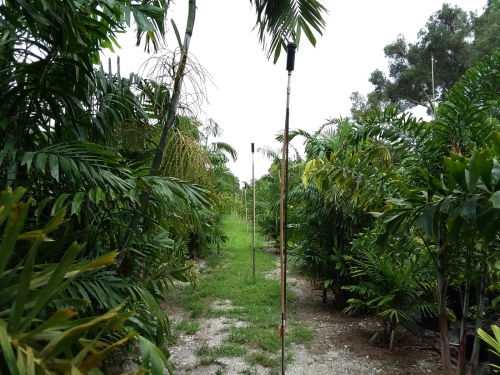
(474, 361)
(443, 321)
(462, 359)
(160, 151)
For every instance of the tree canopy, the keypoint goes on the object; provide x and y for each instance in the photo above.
(453, 39)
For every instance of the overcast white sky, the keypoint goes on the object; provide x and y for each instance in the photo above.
(249, 98)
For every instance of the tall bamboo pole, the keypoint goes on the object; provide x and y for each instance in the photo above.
(284, 202)
(253, 212)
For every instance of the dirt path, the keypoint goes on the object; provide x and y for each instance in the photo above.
(340, 344)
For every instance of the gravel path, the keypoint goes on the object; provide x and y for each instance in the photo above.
(340, 344)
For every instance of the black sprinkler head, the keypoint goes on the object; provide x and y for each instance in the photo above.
(290, 56)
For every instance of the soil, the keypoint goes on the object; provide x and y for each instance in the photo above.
(341, 343)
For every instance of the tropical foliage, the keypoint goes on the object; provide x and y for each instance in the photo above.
(128, 189)
(387, 209)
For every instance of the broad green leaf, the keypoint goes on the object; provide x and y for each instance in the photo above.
(54, 166)
(495, 140)
(454, 230)
(484, 165)
(76, 204)
(457, 170)
(392, 225)
(41, 159)
(27, 159)
(467, 210)
(428, 220)
(473, 172)
(489, 233)
(485, 217)
(495, 199)
(151, 354)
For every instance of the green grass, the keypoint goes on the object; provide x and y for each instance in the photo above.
(189, 327)
(255, 300)
(209, 355)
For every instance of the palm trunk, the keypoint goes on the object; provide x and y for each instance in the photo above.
(462, 359)
(160, 151)
(474, 361)
(443, 321)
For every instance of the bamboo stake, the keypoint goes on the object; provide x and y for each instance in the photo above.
(253, 213)
(284, 202)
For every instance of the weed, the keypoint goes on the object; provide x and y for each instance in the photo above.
(264, 359)
(219, 371)
(248, 371)
(301, 334)
(189, 327)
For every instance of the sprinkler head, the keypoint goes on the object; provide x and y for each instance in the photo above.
(290, 56)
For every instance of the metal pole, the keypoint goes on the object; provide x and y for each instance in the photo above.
(284, 202)
(253, 211)
(246, 208)
(433, 92)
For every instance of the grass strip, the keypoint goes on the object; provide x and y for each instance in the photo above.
(227, 289)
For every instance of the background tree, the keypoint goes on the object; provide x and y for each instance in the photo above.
(455, 39)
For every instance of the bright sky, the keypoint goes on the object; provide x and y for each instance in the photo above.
(248, 94)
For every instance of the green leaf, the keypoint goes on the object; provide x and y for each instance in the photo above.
(69, 337)
(392, 225)
(467, 210)
(489, 233)
(493, 342)
(495, 199)
(457, 170)
(58, 205)
(428, 220)
(152, 357)
(54, 166)
(27, 159)
(76, 204)
(484, 165)
(50, 289)
(17, 217)
(41, 159)
(41, 206)
(7, 353)
(495, 140)
(454, 230)
(7, 200)
(60, 316)
(93, 360)
(177, 35)
(473, 172)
